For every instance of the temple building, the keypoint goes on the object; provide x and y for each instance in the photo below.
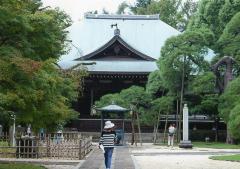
(118, 50)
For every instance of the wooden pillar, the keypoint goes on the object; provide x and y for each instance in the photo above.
(123, 128)
(101, 122)
(91, 99)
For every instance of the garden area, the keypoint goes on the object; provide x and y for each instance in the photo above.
(198, 67)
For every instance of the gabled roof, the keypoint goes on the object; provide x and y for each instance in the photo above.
(143, 34)
(115, 39)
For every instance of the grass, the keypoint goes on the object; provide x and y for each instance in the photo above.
(20, 166)
(235, 157)
(217, 145)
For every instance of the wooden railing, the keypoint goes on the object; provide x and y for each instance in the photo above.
(49, 147)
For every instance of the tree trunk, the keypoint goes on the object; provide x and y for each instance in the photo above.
(139, 129)
(216, 131)
(229, 139)
(156, 128)
(165, 128)
(133, 129)
(177, 121)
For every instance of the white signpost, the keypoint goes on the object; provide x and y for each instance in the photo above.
(185, 143)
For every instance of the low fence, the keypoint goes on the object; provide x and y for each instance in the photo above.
(4, 137)
(73, 147)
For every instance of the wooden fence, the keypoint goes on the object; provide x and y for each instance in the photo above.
(4, 137)
(73, 146)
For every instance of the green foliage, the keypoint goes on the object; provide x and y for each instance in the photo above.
(185, 51)
(204, 83)
(230, 39)
(229, 99)
(122, 7)
(32, 38)
(135, 96)
(174, 12)
(108, 99)
(234, 122)
(215, 15)
(229, 107)
(38, 33)
(155, 84)
(162, 105)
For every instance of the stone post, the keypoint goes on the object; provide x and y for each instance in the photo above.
(1, 130)
(185, 143)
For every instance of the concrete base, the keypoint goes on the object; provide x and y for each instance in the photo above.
(185, 144)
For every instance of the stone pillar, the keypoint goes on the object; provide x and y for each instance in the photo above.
(185, 143)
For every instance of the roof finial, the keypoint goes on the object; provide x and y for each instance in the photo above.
(116, 31)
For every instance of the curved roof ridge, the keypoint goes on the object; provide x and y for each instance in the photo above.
(123, 17)
(109, 43)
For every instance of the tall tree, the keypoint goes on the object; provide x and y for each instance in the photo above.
(32, 38)
(181, 58)
(222, 19)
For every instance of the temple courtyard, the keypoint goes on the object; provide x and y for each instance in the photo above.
(161, 157)
(147, 156)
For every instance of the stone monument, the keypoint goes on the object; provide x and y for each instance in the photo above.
(185, 143)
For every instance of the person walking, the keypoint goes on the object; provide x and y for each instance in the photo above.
(107, 140)
(171, 132)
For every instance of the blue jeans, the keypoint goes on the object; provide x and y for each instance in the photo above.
(108, 156)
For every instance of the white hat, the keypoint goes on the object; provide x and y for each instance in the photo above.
(108, 125)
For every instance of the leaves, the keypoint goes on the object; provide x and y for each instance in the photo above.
(176, 13)
(31, 40)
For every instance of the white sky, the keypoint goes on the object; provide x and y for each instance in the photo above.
(76, 8)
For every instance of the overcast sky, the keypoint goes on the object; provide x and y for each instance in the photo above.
(76, 8)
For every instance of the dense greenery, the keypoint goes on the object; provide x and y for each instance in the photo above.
(184, 65)
(174, 12)
(32, 39)
(184, 69)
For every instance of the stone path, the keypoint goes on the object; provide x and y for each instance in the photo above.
(121, 159)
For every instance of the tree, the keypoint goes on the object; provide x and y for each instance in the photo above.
(32, 38)
(181, 58)
(215, 15)
(174, 12)
(221, 18)
(155, 84)
(230, 39)
(159, 106)
(136, 99)
(122, 7)
(229, 106)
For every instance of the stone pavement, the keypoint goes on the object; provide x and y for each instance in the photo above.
(121, 159)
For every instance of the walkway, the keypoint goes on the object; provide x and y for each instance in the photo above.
(121, 159)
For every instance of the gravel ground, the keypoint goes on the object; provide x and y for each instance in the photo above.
(160, 157)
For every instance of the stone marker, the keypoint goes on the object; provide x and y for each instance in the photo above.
(185, 143)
